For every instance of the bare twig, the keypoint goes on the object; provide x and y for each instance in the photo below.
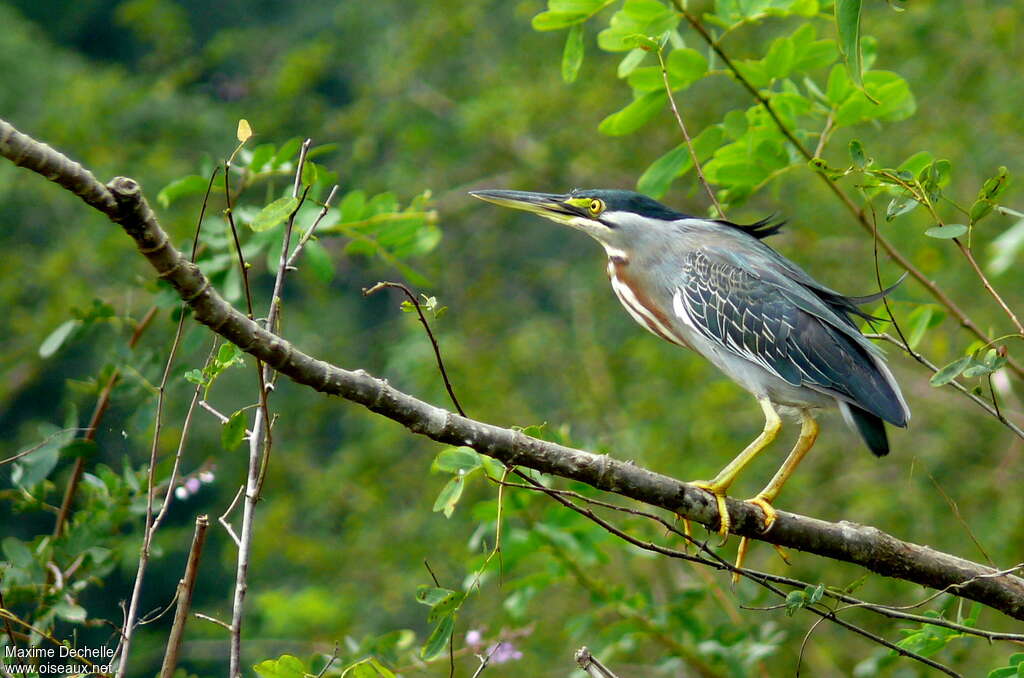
(591, 665)
(261, 441)
(223, 518)
(981, 402)
(212, 620)
(311, 230)
(433, 342)
(686, 136)
(185, 588)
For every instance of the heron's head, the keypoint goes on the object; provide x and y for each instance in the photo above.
(619, 220)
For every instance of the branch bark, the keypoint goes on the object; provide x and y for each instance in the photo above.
(862, 545)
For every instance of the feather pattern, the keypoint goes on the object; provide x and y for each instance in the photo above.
(797, 332)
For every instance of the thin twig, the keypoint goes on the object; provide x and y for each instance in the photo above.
(41, 444)
(591, 665)
(716, 562)
(214, 620)
(153, 522)
(311, 230)
(430, 335)
(223, 518)
(686, 137)
(185, 588)
(981, 402)
(261, 441)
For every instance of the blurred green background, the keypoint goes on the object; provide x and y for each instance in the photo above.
(450, 96)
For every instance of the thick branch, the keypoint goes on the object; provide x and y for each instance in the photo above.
(862, 545)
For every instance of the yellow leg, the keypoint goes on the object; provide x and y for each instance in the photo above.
(721, 482)
(764, 498)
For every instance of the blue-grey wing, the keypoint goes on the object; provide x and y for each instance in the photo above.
(772, 322)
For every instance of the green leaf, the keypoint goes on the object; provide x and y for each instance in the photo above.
(38, 464)
(553, 21)
(848, 26)
(893, 100)
(457, 460)
(449, 495)
(857, 154)
(900, 205)
(179, 188)
(946, 232)
(1004, 249)
(286, 152)
(919, 322)
(630, 62)
(286, 666)
(442, 602)
(233, 431)
(56, 339)
(685, 66)
(353, 206)
(319, 260)
(657, 178)
(274, 214)
(80, 448)
(438, 640)
(636, 19)
(261, 155)
(950, 372)
(431, 595)
(367, 668)
(69, 611)
(18, 554)
(572, 56)
(634, 116)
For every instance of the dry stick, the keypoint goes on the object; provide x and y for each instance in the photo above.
(848, 542)
(857, 213)
(969, 254)
(430, 335)
(186, 586)
(686, 136)
(591, 665)
(90, 432)
(153, 523)
(261, 438)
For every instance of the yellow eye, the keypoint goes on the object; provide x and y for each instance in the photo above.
(596, 206)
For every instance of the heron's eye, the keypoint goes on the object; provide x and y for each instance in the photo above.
(596, 207)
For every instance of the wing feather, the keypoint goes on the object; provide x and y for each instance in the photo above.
(781, 326)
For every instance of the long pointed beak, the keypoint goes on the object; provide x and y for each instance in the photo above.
(548, 205)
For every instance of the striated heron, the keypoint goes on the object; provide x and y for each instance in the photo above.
(715, 287)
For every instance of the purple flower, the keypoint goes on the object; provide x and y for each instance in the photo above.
(474, 637)
(192, 485)
(504, 652)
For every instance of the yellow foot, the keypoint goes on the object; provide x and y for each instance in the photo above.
(718, 492)
(687, 532)
(766, 508)
(741, 554)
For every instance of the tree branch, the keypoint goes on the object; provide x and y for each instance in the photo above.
(845, 541)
